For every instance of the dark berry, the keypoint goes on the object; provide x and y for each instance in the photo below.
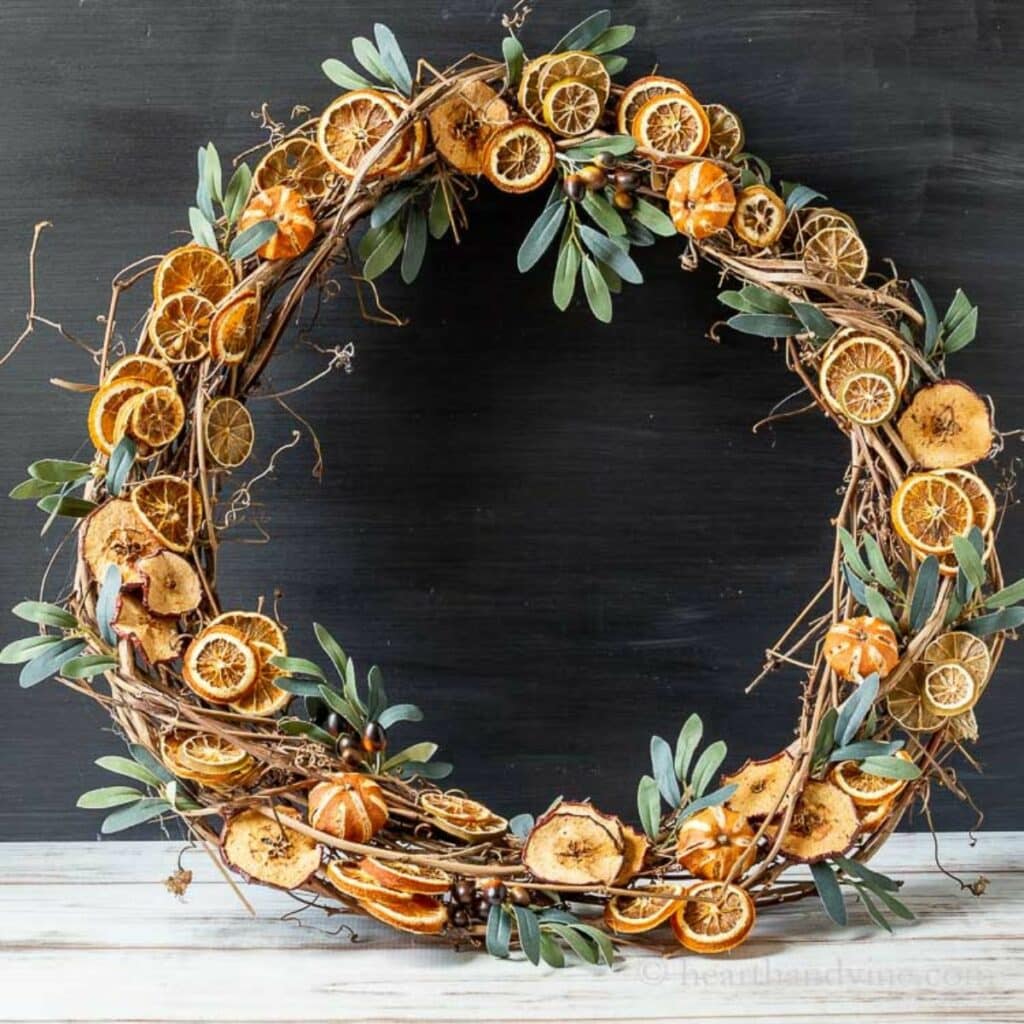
(374, 738)
(593, 176)
(574, 187)
(464, 891)
(334, 723)
(623, 201)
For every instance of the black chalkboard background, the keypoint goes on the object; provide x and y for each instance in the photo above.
(556, 537)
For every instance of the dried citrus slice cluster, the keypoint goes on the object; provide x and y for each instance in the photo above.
(402, 894)
(862, 377)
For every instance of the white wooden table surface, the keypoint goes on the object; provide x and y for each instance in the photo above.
(89, 933)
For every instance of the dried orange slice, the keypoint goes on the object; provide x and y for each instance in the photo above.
(652, 905)
(634, 96)
(415, 141)
(296, 225)
(671, 128)
(715, 918)
(407, 877)
(265, 698)
(579, 65)
(423, 915)
(872, 818)
(233, 328)
(179, 328)
(518, 158)
(255, 628)
(905, 702)
(529, 96)
(946, 425)
(156, 416)
(929, 510)
(712, 842)
(760, 216)
(849, 353)
(700, 199)
(983, 502)
(193, 270)
(170, 508)
(865, 789)
(298, 164)
(727, 135)
(202, 767)
(868, 398)
(219, 665)
(459, 809)
(144, 368)
(836, 256)
(105, 406)
(965, 648)
(228, 432)
(209, 754)
(949, 689)
(856, 647)
(351, 880)
(352, 125)
(814, 218)
(571, 107)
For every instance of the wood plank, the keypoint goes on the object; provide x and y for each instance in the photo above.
(124, 949)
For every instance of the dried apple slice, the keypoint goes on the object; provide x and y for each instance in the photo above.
(946, 425)
(760, 786)
(268, 851)
(575, 844)
(824, 824)
(155, 636)
(463, 124)
(170, 586)
(114, 534)
(635, 847)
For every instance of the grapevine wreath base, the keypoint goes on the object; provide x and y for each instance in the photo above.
(289, 774)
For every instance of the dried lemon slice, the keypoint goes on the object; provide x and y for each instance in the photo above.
(727, 135)
(760, 216)
(868, 398)
(836, 256)
(571, 107)
(529, 96)
(297, 164)
(849, 353)
(219, 665)
(579, 65)
(949, 690)
(929, 510)
(519, 158)
(966, 648)
(156, 416)
(228, 432)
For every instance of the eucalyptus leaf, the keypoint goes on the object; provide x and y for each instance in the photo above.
(344, 707)
(297, 727)
(856, 585)
(1007, 596)
(763, 300)
(137, 814)
(425, 769)
(873, 879)
(608, 252)
(765, 325)
(566, 271)
(707, 765)
(969, 561)
(202, 229)
(550, 952)
(986, 625)
(663, 770)
(599, 298)
(602, 940)
(876, 560)
(963, 334)
(393, 58)
(861, 749)
(59, 471)
(49, 662)
(897, 907)
(612, 38)
(687, 742)
(87, 666)
(653, 218)
(603, 214)
(888, 767)
(499, 931)
(616, 145)
(580, 36)
(879, 607)
(586, 950)
(62, 505)
(855, 708)
(32, 489)
(800, 196)
(238, 193)
(376, 699)
(520, 825)
(712, 799)
(367, 55)
(851, 554)
(417, 752)
(297, 687)
(298, 667)
(17, 652)
(926, 590)
(512, 51)
(390, 206)
(931, 317)
(342, 75)
(528, 930)
(387, 250)
(872, 908)
(108, 796)
(106, 603)
(437, 218)
(648, 804)
(122, 458)
(129, 768)
(333, 650)
(43, 613)
(213, 174)
(829, 892)
(143, 757)
(415, 244)
(825, 739)
(399, 713)
(540, 236)
(614, 63)
(247, 242)
(814, 320)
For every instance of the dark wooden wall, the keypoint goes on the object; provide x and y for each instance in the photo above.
(556, 537)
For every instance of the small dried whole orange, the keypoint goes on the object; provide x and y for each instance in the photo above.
(296, 225)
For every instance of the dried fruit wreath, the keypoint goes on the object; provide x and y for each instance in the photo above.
(291, 774)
